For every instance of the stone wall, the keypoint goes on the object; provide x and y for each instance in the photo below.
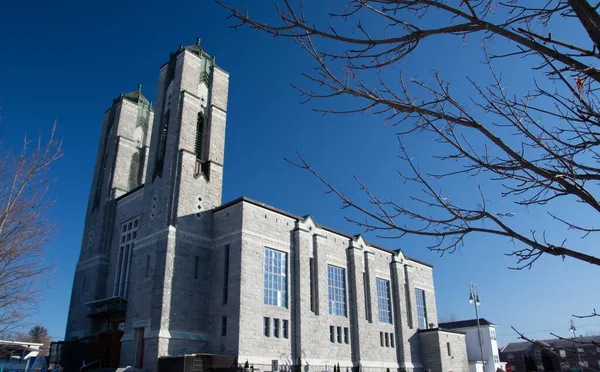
(443, 351)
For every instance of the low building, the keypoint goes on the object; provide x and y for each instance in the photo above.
(553, 354)
(16, 356)
(489, 343)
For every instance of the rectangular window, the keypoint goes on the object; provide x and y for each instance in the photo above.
(562, 353)
(381, 338)
(285, 327)
(421, 308)
(366, 290)
(339, 335)
(383, 300)
(387, 340)
(126, 244)
(336, 283)
(346, 336)
(147, 265)
(223, 325)
(275, 276)
(196, 263)
(391, 339)
(267, 327)
(276, 328)
(226, 275)
(448, 348)
(311, 283)
(511, 356)
(332, 333)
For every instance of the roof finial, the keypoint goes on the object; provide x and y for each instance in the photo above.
(139, 87)
(198, 42)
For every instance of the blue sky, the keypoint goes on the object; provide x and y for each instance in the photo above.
(64, 62)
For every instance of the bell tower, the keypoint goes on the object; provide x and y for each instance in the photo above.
(185, 165)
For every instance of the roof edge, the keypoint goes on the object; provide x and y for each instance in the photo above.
(299, 218)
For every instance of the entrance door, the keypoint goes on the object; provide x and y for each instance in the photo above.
(139, 352)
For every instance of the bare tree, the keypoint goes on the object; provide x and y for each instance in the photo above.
(445, 318)
(540, 146)
(24, 228)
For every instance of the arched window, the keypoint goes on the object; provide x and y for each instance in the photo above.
(134, 170)
(199, 136)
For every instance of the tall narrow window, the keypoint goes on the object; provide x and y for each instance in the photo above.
(381, 338)
(226, 275)
(147, 265)
(331, 333)
(367, 299)
(311, 283)
(162, 146)
(448, 347)
(134, 170)
(391, 339)
(223, 326)
(336, 280)
(383, 300)
(126, 242)
(196, 264)
(199, 136)
(285, 328)
(346, 336)
(421, 308)
(339, 335)
(275, 277)
(387, 340)
(276, 328)
(267, 327)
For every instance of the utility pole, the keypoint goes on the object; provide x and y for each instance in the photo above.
(474, 299)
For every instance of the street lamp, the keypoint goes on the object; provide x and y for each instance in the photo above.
(474, 299)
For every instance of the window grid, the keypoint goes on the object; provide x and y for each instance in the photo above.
(383, 300)
(275, 276)
(336, 278)
(126, 244)
(421, 308)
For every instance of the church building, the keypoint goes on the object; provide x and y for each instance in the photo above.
(171, 270)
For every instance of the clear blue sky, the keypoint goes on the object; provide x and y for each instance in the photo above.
(66, 62)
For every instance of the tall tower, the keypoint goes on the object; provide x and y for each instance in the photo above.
(146, 256)
(121, 165)
(168, 304)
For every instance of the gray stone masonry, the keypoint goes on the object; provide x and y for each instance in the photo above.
(192, 271)
(444, 351)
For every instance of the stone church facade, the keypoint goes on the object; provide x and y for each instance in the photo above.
(179, 272)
